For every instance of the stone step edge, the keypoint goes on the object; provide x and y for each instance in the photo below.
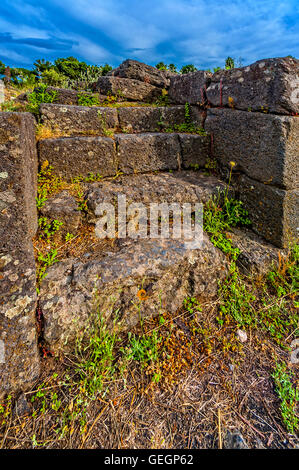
(180, 160)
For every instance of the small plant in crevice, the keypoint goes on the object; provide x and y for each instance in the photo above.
(187, 126)
(48, 228)
(103, 120)
(88, 99)
(39, 96)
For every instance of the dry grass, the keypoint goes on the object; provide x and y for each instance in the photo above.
(215, 389)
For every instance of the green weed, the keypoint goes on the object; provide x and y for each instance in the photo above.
(288, 394)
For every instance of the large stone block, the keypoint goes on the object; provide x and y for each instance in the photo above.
(132, 90)
(164, 187)
(19, 359)
(195, 150)
(263, 146)
(189, 87)
(141, 153)
(267, 85)
(76, 120)
(165, 268)
(143, 73)
(67, 96)
(150, 119)
(274, 212)
(78, 156)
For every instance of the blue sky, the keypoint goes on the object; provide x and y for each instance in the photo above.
(202, 32)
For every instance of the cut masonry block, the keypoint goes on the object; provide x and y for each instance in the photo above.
(263, 146)
(150, 119)
(143, 73)
(165, 268)
(189, 87)
(127, 88)
(141, 153)
(19, 358)
(76, 120)
(274, 212)
(67, 96)
(79, 156)
(270, 84)
(195, 150)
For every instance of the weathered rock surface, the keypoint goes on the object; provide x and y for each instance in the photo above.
(177, 187)
(150, 119)
(139, 153)
(66, 96)
(195, 150)
(269, 84)
(274, 212)
(64, 208)
(165, 269)
(263, 146)
(76, 120)
(234, 440)
(79, 156)
(142, 72)
(256, 255)
(132, 90)
(189, 87)
(19, 360)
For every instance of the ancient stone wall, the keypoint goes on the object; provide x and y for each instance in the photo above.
(251, 118)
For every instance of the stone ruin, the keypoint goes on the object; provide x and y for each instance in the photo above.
(250, 116)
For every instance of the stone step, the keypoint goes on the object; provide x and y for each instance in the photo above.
(68, 120)
(128, 153)
(163, 271)
(179, 187)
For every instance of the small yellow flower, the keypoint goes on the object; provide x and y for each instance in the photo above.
(232, 164)
(45, 164)
(141, 294)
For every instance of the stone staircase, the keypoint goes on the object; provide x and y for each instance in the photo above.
(152, 167)
(135, 150)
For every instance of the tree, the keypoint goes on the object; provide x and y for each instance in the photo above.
(188, 68)
(2, 68)
(105, 69)
(172, 68)
(70, 67)
(161, 66)
(41, 65)
(53, 78)
(229, 63)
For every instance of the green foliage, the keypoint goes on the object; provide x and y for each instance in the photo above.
(229, 63)
(288, 394)
(219, 218)
(47, 227)
(38, 96)
(188, 68)
(41, 65)
(53, 78)
(161, 66)
(23, 78)
(170, 67)
(163, 99)
(87, 99)
(70, 67)
(45, 261)
(105, 69)
(284, 279)
(186, 127)
(143, 349)
(96, 357)
(2, 68)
